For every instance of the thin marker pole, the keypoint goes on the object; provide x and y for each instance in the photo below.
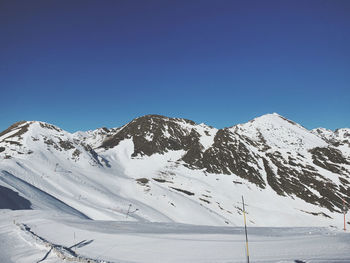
(127, 214)
(245, 227)
(344, 211)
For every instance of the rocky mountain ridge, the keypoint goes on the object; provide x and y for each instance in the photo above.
(269, 152)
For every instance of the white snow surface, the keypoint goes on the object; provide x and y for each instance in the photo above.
(139, 207)
(340, 138)
(145, 242)
(280, 133)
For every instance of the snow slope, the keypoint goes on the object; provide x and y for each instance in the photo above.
(152, 170)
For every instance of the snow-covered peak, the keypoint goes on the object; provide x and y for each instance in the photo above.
(337, 137)
(24, 131)
(277, 131)
(343, 134)
(15, 130)
(273, 118)
(30, 139)
(325, 134)
(321, 130)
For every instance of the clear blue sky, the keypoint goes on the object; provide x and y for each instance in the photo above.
(87, 64)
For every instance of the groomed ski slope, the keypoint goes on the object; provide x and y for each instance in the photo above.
(163, 242)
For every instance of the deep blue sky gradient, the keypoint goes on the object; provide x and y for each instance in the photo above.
(87, 64)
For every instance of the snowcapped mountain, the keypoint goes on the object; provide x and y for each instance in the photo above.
(164, 169)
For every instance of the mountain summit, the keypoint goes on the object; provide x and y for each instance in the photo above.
(173, 169)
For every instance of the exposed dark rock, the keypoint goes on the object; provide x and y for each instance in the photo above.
(204, 200)
(50, 142)
(182, 191)
(14, 126)
(317, 214)
(14, 143)
(21, 127)
(264, 146)
(329, 159)
(272, 179)
(331, 154)
(154, 134)
(49, 126)
(229, 155)
(291, 122)
(195, 151)
(67, 145)
(142, 181)
(159, 180)
(76, 154)
(296, 180)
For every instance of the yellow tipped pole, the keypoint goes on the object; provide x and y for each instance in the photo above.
(245, 227)
(344, 212)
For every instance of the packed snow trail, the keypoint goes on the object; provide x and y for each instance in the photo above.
(148, 242)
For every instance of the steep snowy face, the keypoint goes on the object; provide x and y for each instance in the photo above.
(11, 139)
(278, 132)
